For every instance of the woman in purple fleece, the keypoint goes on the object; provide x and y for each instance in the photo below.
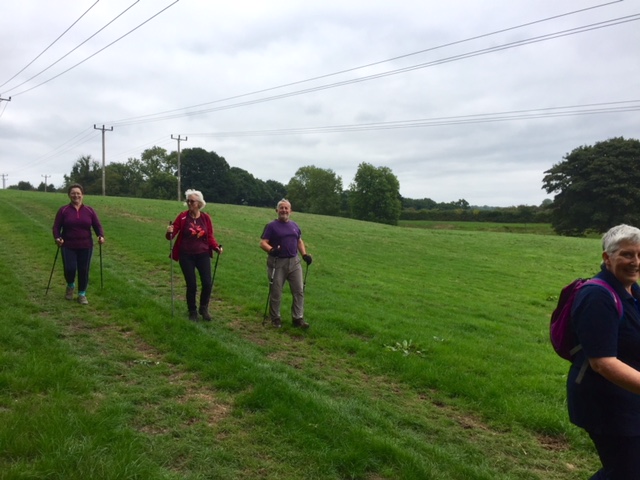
(72, 233)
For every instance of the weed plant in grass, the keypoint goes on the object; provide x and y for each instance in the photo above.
(483, 398)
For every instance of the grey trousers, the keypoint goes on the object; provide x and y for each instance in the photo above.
(281, 270)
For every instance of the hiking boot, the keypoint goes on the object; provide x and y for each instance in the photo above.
(69, 293)
(204, 311)
(82, 300)
(300, 323)
(276, 323)
(193, 315)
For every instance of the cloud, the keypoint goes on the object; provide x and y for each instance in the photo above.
(208, 56)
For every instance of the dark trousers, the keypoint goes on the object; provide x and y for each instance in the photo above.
(620, 457)
(77, 260)
(189, 264)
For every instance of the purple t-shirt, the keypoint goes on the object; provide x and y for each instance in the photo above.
(285, 235)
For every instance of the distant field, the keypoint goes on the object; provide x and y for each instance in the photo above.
(536, 228)
(427, 357)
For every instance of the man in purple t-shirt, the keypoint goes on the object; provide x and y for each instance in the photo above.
(282, 240)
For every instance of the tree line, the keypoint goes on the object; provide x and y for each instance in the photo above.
(595, 188)
(373, 196)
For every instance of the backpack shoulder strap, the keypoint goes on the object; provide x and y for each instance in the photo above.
(619, 308)
(614, 294)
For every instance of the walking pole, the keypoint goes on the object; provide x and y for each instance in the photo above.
(215, 268)
(171, 262)
(304, 282)
(101, 275)
(273, 274)
(54, 266)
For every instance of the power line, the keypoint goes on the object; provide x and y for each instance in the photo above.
(52, 43)
(96, 53)
(584, 28)
(320, 77)
(574, 110)
(484, 51)
(87, 134)
(74, 49)
(159, 142)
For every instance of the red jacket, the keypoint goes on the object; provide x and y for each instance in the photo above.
(178, 224)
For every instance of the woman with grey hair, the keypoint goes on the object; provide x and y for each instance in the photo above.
(604, 399)
(193, 249)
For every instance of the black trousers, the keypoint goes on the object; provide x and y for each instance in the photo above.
(620, 457)
(189, 264)
(77, 260)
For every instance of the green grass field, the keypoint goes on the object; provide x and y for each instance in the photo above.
(427, 358)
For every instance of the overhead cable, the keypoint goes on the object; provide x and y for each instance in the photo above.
(69, 145)
(73, 50)
(572, 110)
(52, 43)
(484, 51)
(399, 57)
(96, 53)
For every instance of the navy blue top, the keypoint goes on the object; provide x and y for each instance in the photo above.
(596, 404)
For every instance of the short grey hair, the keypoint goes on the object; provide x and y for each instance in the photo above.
(620, 234)
(284, 200)
(198, 195)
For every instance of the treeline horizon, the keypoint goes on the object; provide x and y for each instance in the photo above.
(374, 194)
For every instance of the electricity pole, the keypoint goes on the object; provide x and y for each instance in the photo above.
(103, 176)
(45, 181)
(179, 140)
(4, 180)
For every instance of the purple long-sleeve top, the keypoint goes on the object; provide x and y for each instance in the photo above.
(74, 226)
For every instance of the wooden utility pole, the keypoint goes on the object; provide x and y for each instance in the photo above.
(45, 181)
(4, 180)
(179, 140)
(103, 175)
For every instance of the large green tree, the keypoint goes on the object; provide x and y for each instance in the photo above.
(88, 173)
(276, 191)
(207, 172)
(374, 195)
(154, 175)
(596, 187)
(315, 190)
(248, 190)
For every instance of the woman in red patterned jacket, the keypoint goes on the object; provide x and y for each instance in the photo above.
(193, 249)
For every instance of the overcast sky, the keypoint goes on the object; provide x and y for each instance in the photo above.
(461, 99)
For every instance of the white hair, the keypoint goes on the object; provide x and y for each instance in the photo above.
(198, 196)
(620, 234)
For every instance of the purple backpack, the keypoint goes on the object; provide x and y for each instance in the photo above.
(562, 338)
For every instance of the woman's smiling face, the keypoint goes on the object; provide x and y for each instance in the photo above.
(75, 195)
(624, 263)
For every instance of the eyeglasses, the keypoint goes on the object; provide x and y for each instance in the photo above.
(191, 201)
